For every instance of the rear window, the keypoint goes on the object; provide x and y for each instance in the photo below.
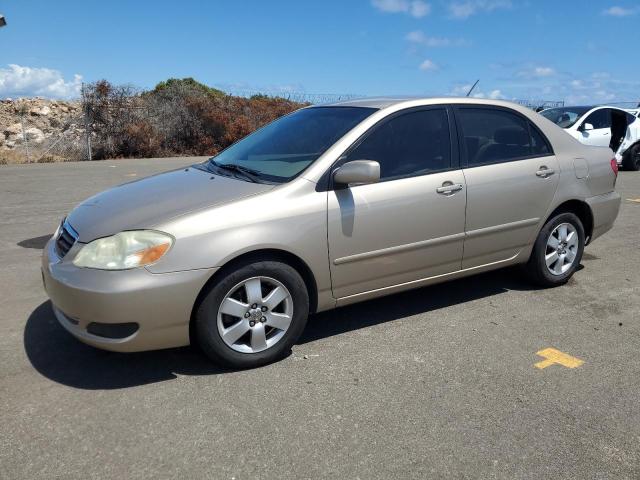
(565, 117)
(495, 136)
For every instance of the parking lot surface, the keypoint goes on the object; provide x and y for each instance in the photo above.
(439, 382)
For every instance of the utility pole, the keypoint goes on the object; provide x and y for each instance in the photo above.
(25, 140)
(87, 121)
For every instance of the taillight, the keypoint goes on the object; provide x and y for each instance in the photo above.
(614, 166)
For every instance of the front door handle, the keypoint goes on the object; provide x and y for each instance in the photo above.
(449, 188)
(545, 172)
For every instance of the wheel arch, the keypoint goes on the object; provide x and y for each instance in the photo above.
(253, 256)
(627, 153)
(583, 212)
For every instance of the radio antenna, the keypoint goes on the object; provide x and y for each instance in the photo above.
(471, 89)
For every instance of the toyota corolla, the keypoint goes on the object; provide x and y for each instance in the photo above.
(327, 206)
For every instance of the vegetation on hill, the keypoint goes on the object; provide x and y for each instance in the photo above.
(177, 117)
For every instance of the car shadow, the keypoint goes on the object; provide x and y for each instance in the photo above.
(57, 355)
(413, 302)
(37, 243)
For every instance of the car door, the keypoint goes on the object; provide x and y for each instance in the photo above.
(600, 135)
(511, 176)
(409, 225)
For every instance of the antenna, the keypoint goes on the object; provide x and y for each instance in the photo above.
(471, 89)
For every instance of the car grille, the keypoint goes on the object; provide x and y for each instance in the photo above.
(66, 238)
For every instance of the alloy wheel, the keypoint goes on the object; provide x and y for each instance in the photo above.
(255, 314)
(562, 248)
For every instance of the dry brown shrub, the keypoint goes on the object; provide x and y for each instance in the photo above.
(178, 117)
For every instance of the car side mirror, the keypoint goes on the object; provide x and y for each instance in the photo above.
(357, 172)
(586, 126)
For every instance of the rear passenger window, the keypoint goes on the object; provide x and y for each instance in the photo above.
(495, 136)
(539, 145)
(410, 144)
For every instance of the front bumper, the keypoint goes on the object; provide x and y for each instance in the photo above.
(160, 303)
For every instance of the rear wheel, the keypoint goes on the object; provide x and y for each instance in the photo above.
(557, 251)
(253, 315)
(631, 160)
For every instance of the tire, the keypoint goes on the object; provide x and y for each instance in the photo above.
(631, 159)
(270, 329)
(537, 267)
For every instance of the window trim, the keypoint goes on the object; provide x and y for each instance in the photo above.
(326, 182)
(462, 146)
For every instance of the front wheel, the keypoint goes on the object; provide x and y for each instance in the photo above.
(252, 315)
(557, 251)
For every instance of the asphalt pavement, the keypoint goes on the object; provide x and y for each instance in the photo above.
(440, 382)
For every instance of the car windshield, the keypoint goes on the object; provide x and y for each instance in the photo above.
(565, 117)
(284, 148)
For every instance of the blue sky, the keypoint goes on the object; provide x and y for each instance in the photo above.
(576, 51)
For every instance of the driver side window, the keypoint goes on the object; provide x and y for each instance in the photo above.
(600, 119)
(410, 144)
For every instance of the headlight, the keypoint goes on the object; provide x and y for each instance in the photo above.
(124, 250)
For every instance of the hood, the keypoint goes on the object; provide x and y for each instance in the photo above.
(144, 203)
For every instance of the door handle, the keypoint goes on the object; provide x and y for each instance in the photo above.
(449, 188)
(545, 172)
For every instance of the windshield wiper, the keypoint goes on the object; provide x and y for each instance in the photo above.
(248, 173)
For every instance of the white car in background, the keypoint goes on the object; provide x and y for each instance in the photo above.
(602, 126)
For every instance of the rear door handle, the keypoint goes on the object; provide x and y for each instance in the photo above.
(545, 172)
(449, 188)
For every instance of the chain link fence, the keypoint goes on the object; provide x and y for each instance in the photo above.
(45, 131)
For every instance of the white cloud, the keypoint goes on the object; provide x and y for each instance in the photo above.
(43, 82)
(415, 8)
(536, 72)
(616, 11)
(543, 71)
(428, 65)
(418, 37)
(462, 90)
(465, 9)
(419, 9)
(601, 75)
(604, 95)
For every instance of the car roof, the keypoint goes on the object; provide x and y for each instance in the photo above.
(384, 102)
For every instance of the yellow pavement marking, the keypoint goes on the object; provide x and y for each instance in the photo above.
(636, 200)
(554, 356)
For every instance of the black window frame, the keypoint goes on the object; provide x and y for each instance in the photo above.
(462, 145)
(326, 181)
